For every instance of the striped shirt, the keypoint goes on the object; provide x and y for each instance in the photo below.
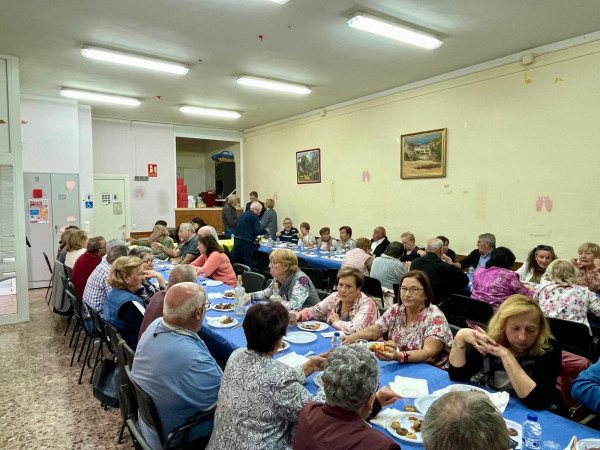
(97, 287)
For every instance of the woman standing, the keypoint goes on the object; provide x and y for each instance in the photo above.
(348, 309)
(269, 218)
(538, 260)
(295, 288)
(123, 308)
(517, 354)
(213, 261)
(418, 327)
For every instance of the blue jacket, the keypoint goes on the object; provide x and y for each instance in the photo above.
(586, 388)
(248, 227)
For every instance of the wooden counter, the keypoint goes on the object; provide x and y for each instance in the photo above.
(212, 216)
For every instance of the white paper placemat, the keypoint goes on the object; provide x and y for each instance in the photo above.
(292, 359)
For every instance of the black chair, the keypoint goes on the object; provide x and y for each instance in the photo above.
(454, 328)
(240, 268)
(127, 401)
(316, 276)
(68, 272)
(332, 279)
(396, 287)
(473, 310)
(253, 281)
(262, 261)
(48, 298)
(69, 313)
(323, 294)
(127, 352)
(101, 334)
(139, 442)
(149, 414)
(113, 337)
(372, 288)
(302, 263)
(574, 337)
(79, 325)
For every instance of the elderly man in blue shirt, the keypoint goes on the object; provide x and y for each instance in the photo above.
(174, 367)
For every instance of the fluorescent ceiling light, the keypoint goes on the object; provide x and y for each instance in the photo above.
(130, 59)
(266, 83)
(391, 30)
(210, 112)
(98, 97)
(281, 2)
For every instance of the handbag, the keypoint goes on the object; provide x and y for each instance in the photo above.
(106, 382)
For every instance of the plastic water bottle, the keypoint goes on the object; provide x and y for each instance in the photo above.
(278, 241)
(202, 278)
(471, 273)
(532, 433)
(275, 297)
(336, 340)
(232, 236)
(239, 307)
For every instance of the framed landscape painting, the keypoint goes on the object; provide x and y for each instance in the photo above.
(308, 166)
(423, 155)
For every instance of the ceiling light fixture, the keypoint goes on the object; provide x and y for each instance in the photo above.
(98, 97)
(275, 85)
(201, 111)
(130, 59)
(281, 2)
(382, 27)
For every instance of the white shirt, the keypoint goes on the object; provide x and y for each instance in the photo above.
(376, 243)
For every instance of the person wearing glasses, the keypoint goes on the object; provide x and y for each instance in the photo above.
(538, 260)
(465, 419)
(418, 327)
(148, 289)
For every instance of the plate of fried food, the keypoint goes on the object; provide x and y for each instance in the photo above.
(284, 346)
(222, 307)
(222, 322)
(385, 347)
(515, 431)
(229, 294)
(312, 325)
(406, 426)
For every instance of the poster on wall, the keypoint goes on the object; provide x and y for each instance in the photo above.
(38, 210)
(308, 166)
(153, 170)
(423, 154)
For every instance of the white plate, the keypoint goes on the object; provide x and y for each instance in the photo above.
(584, 444)
(424, 402)
(519, 428)
(300, 337)
(405, 423)
(213, 307)
(318, 381)
(322, 326)
(286, 345)
(465, 387)
(212, 283)
(228, 290)
(217, 323)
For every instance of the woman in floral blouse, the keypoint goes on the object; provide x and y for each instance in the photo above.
(559, 296)
(588, 263)
(348, 309)
(295, 288)
(419, 328)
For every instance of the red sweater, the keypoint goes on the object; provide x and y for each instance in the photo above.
(83, 268)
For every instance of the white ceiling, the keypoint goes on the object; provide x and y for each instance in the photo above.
(306, 41)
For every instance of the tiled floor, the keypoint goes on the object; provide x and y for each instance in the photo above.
(41, 404)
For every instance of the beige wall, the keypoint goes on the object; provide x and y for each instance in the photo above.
(509, 142)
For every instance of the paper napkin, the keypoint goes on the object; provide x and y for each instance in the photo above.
(383, 416)
(409, 387)
(329, 334)
(214, 295)
(293, 359)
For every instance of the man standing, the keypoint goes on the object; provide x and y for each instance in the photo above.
(289, 232)
(188, 247)
(174, 367)
(86, 263)
(229, 214)
(445, 278)
(245, 234)
(379, 242)
(254, 199)
(486, 242)
(154, 310)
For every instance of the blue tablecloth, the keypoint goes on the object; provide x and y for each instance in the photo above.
(223, 341)
(314, 258)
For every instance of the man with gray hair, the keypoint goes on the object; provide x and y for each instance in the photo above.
(350, 381)
(464, 420)
(486, 243)
(206, 230)
(446, 279)
(245, 234)
(174, 367)
(230, 215)
(188, 244)
(154, 310)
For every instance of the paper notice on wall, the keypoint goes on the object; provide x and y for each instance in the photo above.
(105, 198)
(38, 210)
(117, 208)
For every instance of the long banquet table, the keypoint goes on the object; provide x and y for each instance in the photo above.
(223, 341)
(315, 258)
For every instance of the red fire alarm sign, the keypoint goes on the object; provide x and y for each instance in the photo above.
(152, 170)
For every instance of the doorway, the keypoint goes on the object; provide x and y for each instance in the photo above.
(111, 206)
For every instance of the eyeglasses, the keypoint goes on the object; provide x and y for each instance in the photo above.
(148, 261)
(412, 290)
(512, 443)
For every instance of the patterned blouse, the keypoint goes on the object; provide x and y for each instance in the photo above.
(430, 322)
(589, 279)
(362, 314)
(494, 285)
(301, 290)
(566, 302)
(259, 402)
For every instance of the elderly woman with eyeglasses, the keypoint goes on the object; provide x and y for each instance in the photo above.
(351, 382)
(588, 264)
(148, 289)
(538, 260)
(418, 328)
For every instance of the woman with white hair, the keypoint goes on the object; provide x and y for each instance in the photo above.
(559, 296)
(230, 215)
(269, 218)
(350, 381)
